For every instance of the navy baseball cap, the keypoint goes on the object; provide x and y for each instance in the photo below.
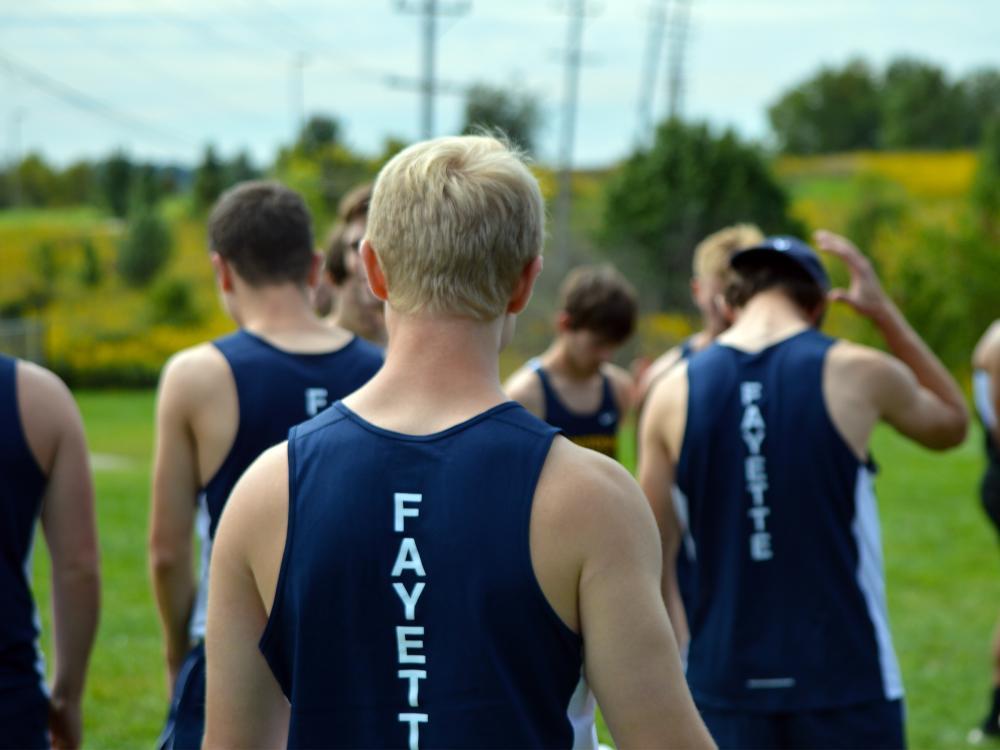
(790, 247)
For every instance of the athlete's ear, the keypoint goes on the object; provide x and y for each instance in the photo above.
(376, 279)
(315, 270)
(223, 272)
(525, 284)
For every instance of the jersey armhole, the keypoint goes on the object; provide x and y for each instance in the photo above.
(524, 550)
(269, 645)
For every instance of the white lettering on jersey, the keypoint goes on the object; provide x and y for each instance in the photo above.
(408, 559)
(316, 400)
(414, 676)
(753, 430)
(414, 720)
(402, 512)
(409, 638)
(404, 643)
(409, 598)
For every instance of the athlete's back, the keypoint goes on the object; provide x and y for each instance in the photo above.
(221, 404)
(786, 515)
(400, 583)
(446, 581)
(46, 475)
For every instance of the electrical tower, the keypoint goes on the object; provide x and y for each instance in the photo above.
(676, 50)
(430, 10)
(650, 68)
(578, 13)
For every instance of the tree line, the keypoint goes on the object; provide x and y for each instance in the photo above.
(911, 104)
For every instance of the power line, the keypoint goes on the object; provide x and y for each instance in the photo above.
(430, 9)
(81, 100)
(578, 13)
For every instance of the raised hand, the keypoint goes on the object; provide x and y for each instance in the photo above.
(865, 293)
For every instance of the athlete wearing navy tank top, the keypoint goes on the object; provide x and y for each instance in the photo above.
(46, 475)
(426, 564)
(221, 404)
(766, 434)
(573, 385)
(986, 392)
(710, 267)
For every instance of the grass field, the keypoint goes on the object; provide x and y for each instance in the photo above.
(941, 563)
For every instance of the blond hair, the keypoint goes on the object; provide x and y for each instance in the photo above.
(711, 256)
(453, 222)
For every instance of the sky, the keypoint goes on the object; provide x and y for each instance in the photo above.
(163, 78)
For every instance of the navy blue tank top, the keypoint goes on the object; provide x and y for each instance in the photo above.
(407, 612)
(789, 605)
(982, 392)
(276, 390)
(21, 494)
(597, 431)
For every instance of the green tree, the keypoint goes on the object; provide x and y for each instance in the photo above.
(835, 110)
(920, 107)
(986, 183)
(145, 249)
(241, 169)
(37, 182)
(518, 114)
(91, 272)
(319, 132)
(116, 183)
(689, 183)
(172, 302)
(980, 91)
(209, 180)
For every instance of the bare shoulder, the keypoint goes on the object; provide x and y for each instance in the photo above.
(525, 387)
(987, 352)
(254, 522)
(865, 370)
(194, 375)
(622, 384)
(589, 497)
(49, 413)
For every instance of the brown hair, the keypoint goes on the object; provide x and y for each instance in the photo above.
(354, 205)
(599, 299)
(773, 271)
(264, 230)
(335, 253)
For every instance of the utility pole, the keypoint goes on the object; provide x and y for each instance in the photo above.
(298, 93)
(571, 87)
(430, 10)
(650, 67)
(16, 120)
(676, 49)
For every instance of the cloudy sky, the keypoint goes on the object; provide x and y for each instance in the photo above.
(161, 78)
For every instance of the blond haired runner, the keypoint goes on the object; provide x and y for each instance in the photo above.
(428, 564)
(711, 271)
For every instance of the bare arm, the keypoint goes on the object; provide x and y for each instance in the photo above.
(923, 401)
(987, 357)
(174, 497)
(623, 387)
(656, 477)
(244, 703)
(631, 655)
(70, 530)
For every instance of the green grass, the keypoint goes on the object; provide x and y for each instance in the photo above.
(941, 563)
